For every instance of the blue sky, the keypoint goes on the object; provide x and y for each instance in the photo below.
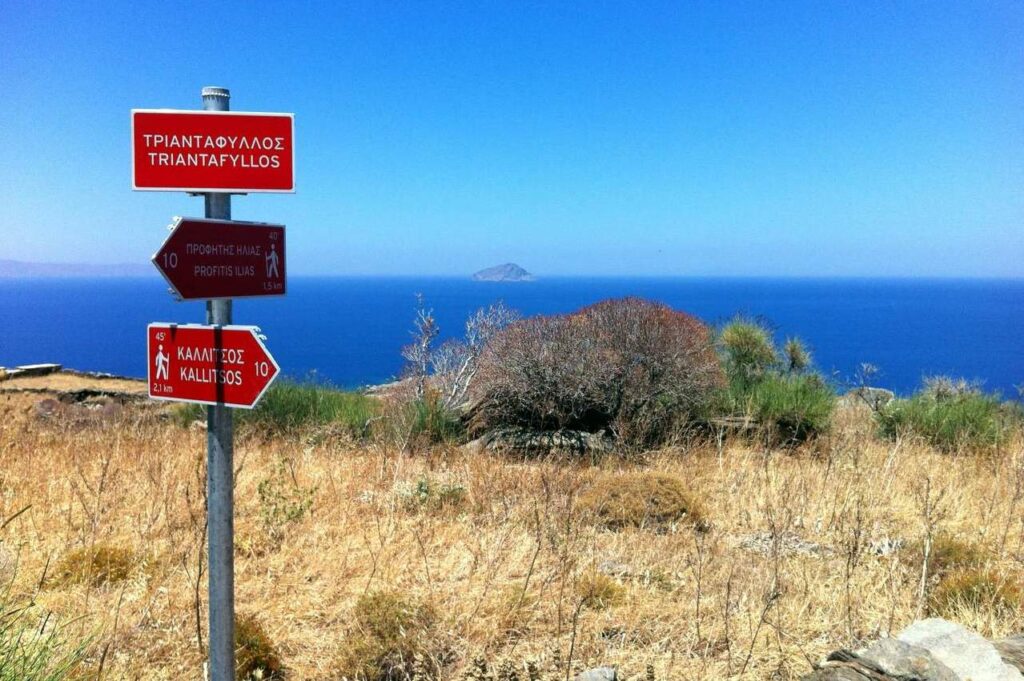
(630, 138)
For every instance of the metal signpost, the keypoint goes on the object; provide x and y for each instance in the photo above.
(223, 259)
(215, 153)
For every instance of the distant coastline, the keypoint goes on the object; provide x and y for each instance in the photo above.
(16, 269)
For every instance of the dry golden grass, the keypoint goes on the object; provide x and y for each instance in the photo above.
(783, 573)
(645, 500)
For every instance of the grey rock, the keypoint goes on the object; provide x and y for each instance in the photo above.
(786, 543)
(541, 442)
(835, 673)
(904, 661)
(90, 409)
(1012, 651)
(598, 674)
(477, 446)
(614, 568)
(886, 546)
(966, 652)
(48, 408)
(886, 660)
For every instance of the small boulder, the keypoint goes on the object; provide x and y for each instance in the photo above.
(48, 408)
(928, 650)
(833, 673)
(901, 660)
(598, 674)
(786, 544)
(530, 443)
(1012, 651)
(887, 659)
(966, 652)
(615, 568)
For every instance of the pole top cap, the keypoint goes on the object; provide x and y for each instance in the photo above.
(213, 91)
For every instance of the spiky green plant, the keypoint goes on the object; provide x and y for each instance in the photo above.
(797, 356)
(33, 647)
(793, 408)
(747, 350)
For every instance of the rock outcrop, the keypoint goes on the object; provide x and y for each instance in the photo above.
(928, 650)
(529, 443)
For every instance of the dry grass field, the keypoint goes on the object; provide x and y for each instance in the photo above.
(509, 561)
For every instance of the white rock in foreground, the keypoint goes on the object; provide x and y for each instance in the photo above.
(967, 653)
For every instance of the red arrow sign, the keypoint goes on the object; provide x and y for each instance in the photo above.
(212, 151)
(226, 365)
(223, 259)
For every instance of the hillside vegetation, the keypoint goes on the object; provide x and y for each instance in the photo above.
(774, 523)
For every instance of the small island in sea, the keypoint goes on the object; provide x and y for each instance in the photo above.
(507, 272)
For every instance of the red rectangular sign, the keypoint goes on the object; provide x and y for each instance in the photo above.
(212, 151)
(226, 365)
(204, 259)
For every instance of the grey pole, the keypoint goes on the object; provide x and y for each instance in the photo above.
(219, 471)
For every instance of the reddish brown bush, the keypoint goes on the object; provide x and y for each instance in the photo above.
(636, 368)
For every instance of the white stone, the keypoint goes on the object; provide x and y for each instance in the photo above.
(967, 653)
(598, 674)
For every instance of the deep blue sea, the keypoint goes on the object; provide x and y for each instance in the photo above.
(350, 330)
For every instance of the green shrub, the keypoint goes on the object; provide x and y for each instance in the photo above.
(792, 408)
(391, 632)
(790, 402)
(598, 591)
(641, 500)
(946, 554)
(950, 419)
(977, 590)
(290, 405)
(96, 565)
(432, 422)
(256, 658)
(797, 356)
(32, 648)
(748, 352)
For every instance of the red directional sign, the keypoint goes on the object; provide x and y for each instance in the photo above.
(223, 259)
(212, 151)
(226, 365)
